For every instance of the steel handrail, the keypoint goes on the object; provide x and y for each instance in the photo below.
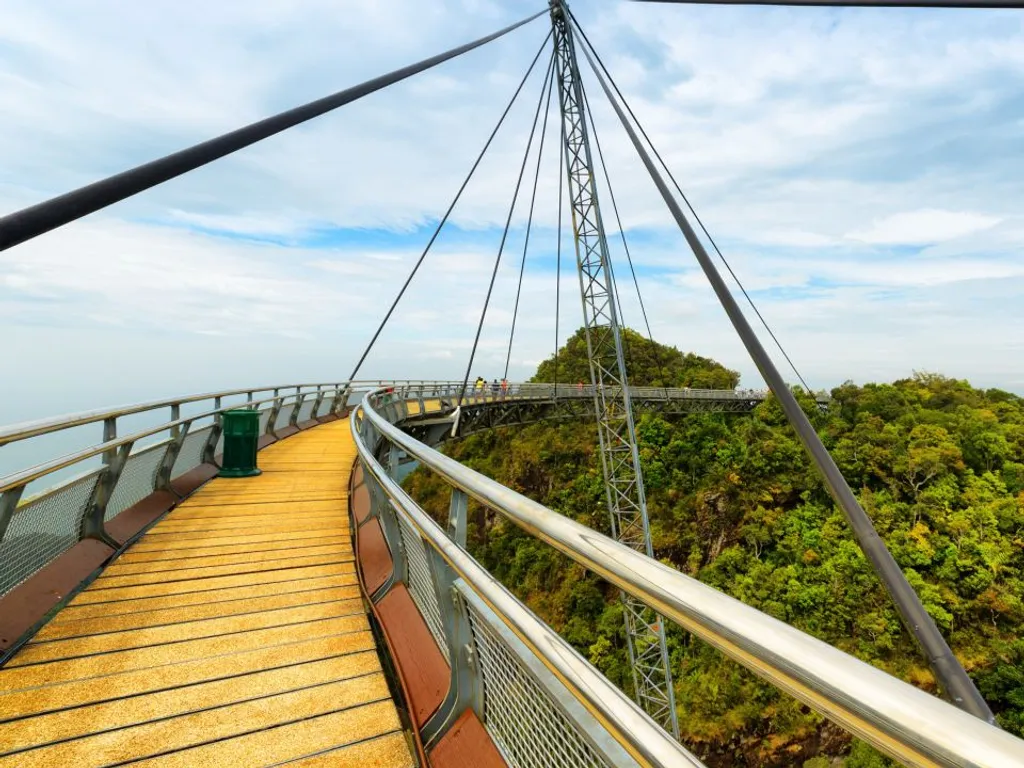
(903, 721)
(35, 428)
(24, 430)
(626, 722)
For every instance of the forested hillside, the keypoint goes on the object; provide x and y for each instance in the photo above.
(734, 502)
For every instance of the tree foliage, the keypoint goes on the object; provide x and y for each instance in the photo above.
(735, 502)
(648, 364)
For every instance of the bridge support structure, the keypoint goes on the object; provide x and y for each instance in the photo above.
(620, 458)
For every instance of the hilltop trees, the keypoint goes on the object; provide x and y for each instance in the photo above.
(648, 364)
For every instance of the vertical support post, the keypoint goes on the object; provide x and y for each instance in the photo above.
(293, 419)
(209, 449)
(109, 433)
(92, 525)
(8, 503)
(457, 517)
(274, 410)
(175, 415)
(320, 391)
(620, 458)
(163, 475)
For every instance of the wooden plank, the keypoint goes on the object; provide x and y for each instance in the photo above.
(233, 633)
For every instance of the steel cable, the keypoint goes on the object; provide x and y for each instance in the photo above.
(508, 224)
(686, 200)
(529, 224)
(444, 219)
(35, 220)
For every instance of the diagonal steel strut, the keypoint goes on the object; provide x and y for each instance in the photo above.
(620, 459)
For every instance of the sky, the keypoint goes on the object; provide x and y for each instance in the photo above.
(861, 169)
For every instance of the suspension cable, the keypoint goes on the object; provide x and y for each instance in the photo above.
(444, 219)
(35, 220)
(686, 200)
(625, 245)
(951, 676)
(508, 224)
(529, 223)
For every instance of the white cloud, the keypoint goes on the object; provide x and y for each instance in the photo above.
(812, 142)
(924, 226)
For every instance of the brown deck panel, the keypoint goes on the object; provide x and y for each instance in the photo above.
(232, 633)
(31, 600)
(361, 503)
(466, 744)
(374, 557)
(424, 669)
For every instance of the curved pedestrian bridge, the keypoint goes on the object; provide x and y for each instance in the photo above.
(231, 633)
(154, 614)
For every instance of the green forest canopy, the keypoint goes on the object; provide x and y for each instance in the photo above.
(734, 501)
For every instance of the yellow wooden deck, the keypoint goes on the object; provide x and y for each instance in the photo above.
(231, 634)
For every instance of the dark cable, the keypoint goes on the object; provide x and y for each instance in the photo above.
(686, 200)
(951, 676)
(451, 207)
(508, 223)
(35, 220)
(529, 222)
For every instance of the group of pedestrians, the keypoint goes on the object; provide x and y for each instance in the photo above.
(496, 387)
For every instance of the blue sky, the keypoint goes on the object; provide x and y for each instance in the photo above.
(862, 169)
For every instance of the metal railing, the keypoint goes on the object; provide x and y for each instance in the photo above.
(542, 703)
(119, 471)
(902, 721)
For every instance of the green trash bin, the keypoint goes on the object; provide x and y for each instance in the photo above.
(241, 435)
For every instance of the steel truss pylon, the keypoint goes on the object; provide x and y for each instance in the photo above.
(620, 459)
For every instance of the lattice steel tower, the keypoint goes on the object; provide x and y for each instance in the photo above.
(620, 460)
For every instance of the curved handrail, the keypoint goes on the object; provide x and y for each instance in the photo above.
(899, 719)
(55, 465)
(35, 428)
(629, 724)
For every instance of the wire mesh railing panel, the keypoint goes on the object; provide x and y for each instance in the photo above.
(521, 717)
(306, 409)
(420, 582)
(42, 529)
(284, 416)
(191, 454)
(137, 480)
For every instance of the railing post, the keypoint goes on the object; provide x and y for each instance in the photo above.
(209, 449)
(175, 415)
(457, 517)
(465, 690)
(274, 410)
(92, 525)
(318, 402)
(163, 475)
(293, 419)
(8, 503)
(109, 433)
